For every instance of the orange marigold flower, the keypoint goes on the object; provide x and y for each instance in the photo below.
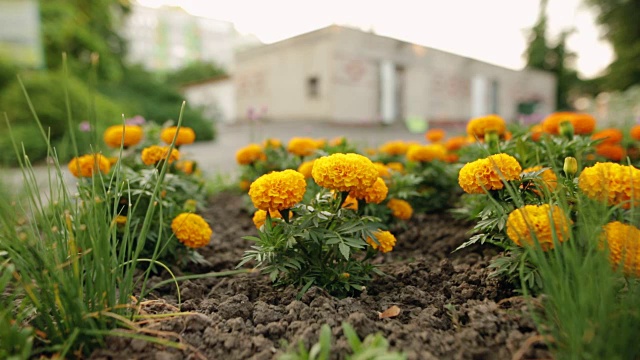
(614, 183)
(452, 158)
(398, 147)
(548, 177)
(613, 152)
(260, 217)
(426, 153)
(344, 172)
(337, 141)
(536, 132)
(278, 190)
(320, 143)
(635, 132)
(478, 127)
(608, 136)
(244, 185)
(374, 194)
(400, 209)
(186, 166)
(370, 151)
(127, 135)
(302, 146)
(435, 135)
(272, 143)
(154, 154)
(87, 165)
(623, 242)
(487, 174)
(191, 230)
(305, 168)
(456, 143)
(350, 203)
(383, 170)
(583, 124)
(532, 223)
(250, 154)
(186, 135)
(386, 241)
(396, 166)
(551, 124)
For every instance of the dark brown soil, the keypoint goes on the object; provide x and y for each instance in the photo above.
(450, 308)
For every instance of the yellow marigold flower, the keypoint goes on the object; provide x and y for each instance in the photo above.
(113, 136)
(86, 165)
(191, 230)
(120, 220)
(375, 194)
(383, 170)
(398, 147)
(623, 242)
(244, 185)
(534, 222)
(154, 154)
(272, 143)
(614, 183)
(435, 135)
(350, 203)
(344, 172)
(613, 152)
(396, 166)
(305, 168)
(548, 177)
(186, 166)
(302, 146)
(456, 143)
(386, 240)
(608, 136)
(260, 217)
(635, 132)
(478, 127)
(278, 190)
(250, 154)
(426, 153)
(400, 209)
(186, 135)
(487, 174)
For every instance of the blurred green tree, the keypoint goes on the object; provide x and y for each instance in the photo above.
(82, 28)
(620, 20)
(195, 71)
(542, 54)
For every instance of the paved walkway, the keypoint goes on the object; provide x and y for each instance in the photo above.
(219, 156)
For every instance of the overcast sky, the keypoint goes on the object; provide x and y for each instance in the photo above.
(490, 30)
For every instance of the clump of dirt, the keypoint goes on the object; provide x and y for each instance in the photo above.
(450, 307)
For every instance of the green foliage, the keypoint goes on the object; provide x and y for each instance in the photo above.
(194, 71)
(145, 94)
(46, 91)
(374, 347)
(17, 339)
(322, 245)
(437, 188)
(81, 28)
(618, 19)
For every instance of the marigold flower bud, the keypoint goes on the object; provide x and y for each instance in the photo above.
(570, 166)
(566, 129)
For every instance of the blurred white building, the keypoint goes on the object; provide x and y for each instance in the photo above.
(345, 75)
(167, 38)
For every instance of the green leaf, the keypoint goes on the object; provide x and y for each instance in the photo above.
(352, 337)
(344, 250)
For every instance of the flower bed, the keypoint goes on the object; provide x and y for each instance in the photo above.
(450, 308)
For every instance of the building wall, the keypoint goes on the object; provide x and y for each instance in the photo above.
(430, 84)
(277, 77)
(217, 98)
